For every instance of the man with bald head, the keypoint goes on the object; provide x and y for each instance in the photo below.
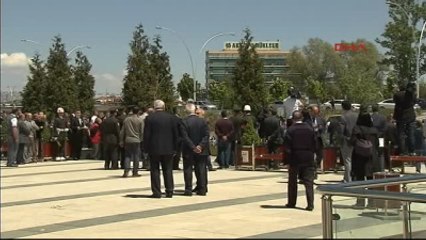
(300, 145)
(160, 138)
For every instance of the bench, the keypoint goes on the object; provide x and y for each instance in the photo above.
(404, 159)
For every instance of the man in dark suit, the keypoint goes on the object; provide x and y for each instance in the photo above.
(176, 158)
(300, 144)
(160, 141)
(76, 136)
(195, 150)
(110, 133)
(405, 117)
(318, 124)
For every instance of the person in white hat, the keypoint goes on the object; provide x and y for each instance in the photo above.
(60, 129)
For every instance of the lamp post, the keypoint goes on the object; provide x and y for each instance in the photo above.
(77, 47)
(414, 39)
(210, 39)
(68, 53)
(418, 59)
(189, 54)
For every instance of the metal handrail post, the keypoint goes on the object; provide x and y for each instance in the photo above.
(327, 220)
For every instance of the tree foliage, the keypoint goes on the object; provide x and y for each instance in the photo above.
(159, 65)
(278, 89)
(33, 93)
(84, 82)
(148, 72)
(401, 38)
(185, 87)
(249, 83)
(222, 93)
(60, 90)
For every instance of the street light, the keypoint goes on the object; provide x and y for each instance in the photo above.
(77, 47)
(68, 53)
(414, 39)
(189, 54)
(215, 36)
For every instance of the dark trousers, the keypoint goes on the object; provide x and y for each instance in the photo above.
(224, 152)
(20, 155)
(319, 152)
(122, 157)
(166, 162)
(59, 150)
(144, 158)
(110, 154)
(132, 155)
(199, 163)
(308, 180)
(12, 151)
(40, 153)
(405, 133)
(176, 158)
(76, 145)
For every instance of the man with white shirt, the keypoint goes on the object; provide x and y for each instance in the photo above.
(291, 103)
(12, 138)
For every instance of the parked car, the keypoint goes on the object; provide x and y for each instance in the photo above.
(205, 105)
(390, 104)
(338, 105)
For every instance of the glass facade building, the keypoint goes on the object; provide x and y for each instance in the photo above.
(220, 65)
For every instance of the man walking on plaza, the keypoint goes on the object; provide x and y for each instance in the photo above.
(224, 130)
(160, 140)
(349, 119)
(12, 138)
(300, 144)
(130, 138)
(110, 135)
(195, 151)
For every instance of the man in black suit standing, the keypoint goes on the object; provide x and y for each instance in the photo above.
(110, 133)
(318, 124)
(195, 150)
(300, 144)
(76, 136)
(160, 141)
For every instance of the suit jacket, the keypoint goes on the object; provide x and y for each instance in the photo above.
(271, 124)
(300, 144)
(110, 131)
(349, 119)
(160, 133)
(195, 131)
(404, 106)
(75, 124)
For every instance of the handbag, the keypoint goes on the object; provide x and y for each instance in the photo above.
(363, 147)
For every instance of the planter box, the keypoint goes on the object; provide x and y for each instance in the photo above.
(253, 157)
(47, 150)
(329, 161)
(245, 157)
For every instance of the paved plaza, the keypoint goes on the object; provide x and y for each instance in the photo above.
(79, 199)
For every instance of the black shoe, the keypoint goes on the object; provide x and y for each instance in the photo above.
(12, 165)
(177, 168)
(155, 196)
(201, 193)
(195, 189)
(169, 195)
(290, 206)
(126, 174)
(309, 208)
(301, 182)
(220, 168)
(136, 175)
(187, 193)
(212, 169)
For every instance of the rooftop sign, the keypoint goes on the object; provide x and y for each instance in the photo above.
(268, 45)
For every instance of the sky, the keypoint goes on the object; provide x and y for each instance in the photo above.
(107, 26)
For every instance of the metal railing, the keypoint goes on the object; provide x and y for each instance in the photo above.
(358, 189)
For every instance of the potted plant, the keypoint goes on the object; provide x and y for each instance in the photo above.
(246, 153)
(47, 142)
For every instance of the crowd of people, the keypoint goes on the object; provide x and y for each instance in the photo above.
(156, 137)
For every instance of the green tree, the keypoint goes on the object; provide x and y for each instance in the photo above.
(33, 93)
(279, 88)
(60, 90)
(401, 38)
(185, 87)
(160, 74)
(249, 83)
(85, 83)
(222, 93)
(138, 85)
